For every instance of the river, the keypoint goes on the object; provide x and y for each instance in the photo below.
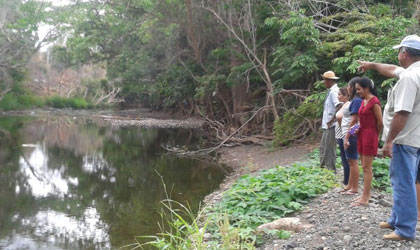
(72, 183)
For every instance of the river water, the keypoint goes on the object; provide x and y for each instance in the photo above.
(71, 183)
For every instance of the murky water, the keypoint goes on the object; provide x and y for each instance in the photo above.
(69, 183)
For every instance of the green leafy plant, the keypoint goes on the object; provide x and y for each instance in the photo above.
(381, 179)
(274, 193)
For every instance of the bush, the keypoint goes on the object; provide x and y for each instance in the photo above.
(298, 123)
(61, 102)
(29, 101)
(11, 101)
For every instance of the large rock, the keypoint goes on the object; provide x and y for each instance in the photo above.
(288, 224)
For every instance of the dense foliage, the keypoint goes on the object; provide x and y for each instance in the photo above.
(227, 60)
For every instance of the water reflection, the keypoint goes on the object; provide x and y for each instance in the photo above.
(41, 180)
(71, 184)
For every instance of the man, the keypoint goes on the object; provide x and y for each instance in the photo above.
(327, 153)
(402, 136)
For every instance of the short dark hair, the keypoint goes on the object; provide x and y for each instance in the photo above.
(352, 84)
(365, 82)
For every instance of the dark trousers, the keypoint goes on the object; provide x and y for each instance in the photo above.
(345, 163)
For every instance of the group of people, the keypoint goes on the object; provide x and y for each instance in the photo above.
(352, 117)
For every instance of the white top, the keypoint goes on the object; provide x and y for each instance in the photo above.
(405, 96)
(329, 106)
(345, 121)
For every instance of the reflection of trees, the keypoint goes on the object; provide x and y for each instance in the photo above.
(10, 178)
(112, 171)
(64, 132)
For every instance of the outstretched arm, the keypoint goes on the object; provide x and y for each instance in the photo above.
(384, 69)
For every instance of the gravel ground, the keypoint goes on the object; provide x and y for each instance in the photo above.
(337, 225)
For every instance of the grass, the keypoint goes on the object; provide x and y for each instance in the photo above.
(62, 102)
(18, 102)
(12, 101)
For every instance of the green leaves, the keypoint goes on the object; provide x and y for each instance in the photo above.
(295, 58)
(380, 167)
(272, 194)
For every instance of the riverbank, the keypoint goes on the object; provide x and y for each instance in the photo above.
(335, 223)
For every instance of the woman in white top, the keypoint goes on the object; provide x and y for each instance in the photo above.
(340, 132)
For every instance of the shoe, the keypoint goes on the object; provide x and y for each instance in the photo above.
(385, 225)
(394, 236)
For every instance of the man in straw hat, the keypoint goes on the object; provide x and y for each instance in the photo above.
(327, 153)
(402, 136)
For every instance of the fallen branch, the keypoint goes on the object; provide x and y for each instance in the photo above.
(202, 152)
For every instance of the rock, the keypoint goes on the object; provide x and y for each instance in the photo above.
(291, 245)
(287, 224)
(384, 203)
(346, 229)
(347, 238)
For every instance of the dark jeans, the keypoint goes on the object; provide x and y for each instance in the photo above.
(346, 166)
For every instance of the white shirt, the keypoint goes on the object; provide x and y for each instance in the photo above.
(345, 121)
(405, 96)
(329, 106)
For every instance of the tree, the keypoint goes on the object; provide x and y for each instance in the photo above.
(19, 24)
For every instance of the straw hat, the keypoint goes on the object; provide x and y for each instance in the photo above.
(329, 75)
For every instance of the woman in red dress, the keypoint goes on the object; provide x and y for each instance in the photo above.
(370, 120)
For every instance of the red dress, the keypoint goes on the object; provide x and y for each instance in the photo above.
(368, 138)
